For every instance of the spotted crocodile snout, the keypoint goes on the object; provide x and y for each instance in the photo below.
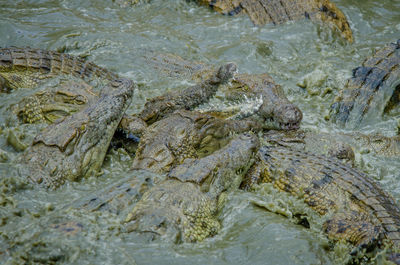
(227, 71)
(289, 116)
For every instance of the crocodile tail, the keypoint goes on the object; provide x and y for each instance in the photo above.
(50, 62)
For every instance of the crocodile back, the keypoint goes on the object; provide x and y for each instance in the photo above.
(263, 12)
(328, 185)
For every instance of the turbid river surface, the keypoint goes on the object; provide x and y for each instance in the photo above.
(116, 38)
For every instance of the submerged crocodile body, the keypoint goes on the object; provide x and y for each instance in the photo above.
(358, 211)
(373, 89)
(75, 146)
(274, 107)
(262, 12)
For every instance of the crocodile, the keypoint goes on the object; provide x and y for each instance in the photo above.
(274, 108)
(372, 90)
(75, 146)
(185, 134)
(263, 12)
(28, 67)
(201, 158)
(159, 107)
(356, 209)
(132, 127)
(190, 159)
(184, 206)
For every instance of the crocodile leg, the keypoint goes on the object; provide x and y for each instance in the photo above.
(353, 227)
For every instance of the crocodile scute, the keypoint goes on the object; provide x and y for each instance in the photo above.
(184, 207)
(358, 211)
(158, 107)
(262, 12)
(75, 146)
(51, 104)
(28, 67)
(185, 134)
(372, 90)
(274, 109)
(36, 64)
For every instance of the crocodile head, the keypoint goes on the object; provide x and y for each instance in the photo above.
(157, 108)
(48, 106)
(75, 146)
(285, 116)
(165, 142)
(226, 72)
(277, 111)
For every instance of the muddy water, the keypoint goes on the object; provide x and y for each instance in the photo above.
(115, 38)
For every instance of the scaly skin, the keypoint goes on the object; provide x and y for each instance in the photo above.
(25, 67)
(338, 143)
(262, 12)
(358, 210)
(158, 107)
(185, 134)
(184, 206)
(275, 109)
(50, 105)
(75, 147)
(118, 197)
(372, 90)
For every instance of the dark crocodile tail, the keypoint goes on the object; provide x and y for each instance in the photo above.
(367, 85)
